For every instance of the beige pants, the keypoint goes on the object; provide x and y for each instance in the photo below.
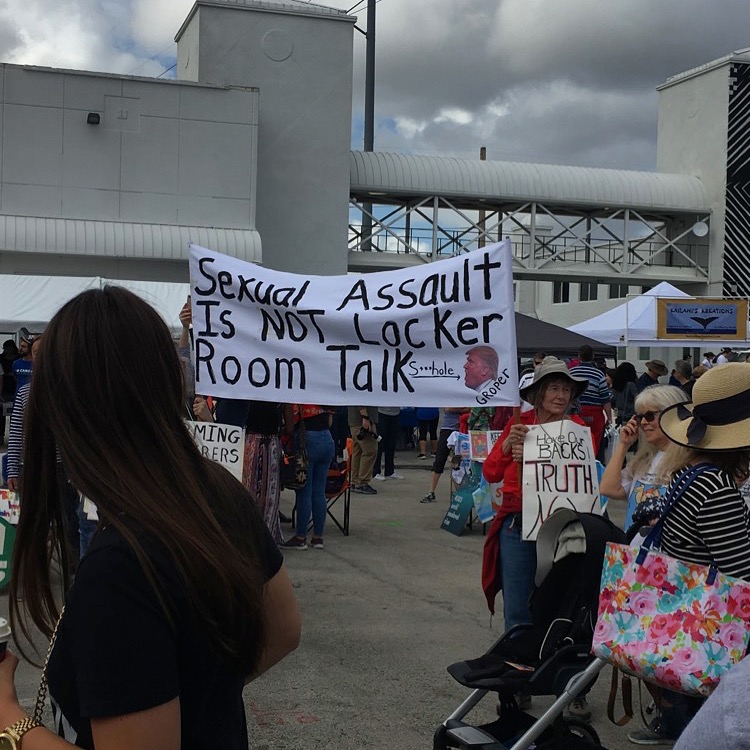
(364, 453)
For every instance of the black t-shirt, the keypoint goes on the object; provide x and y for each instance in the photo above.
(116, 652)
(263, 417)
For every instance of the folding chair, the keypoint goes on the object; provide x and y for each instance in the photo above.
(338, 487)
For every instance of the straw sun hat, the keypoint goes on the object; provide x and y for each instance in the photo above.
(718, 419)
(552, 366)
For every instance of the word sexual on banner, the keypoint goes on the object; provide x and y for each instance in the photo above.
(441, 334)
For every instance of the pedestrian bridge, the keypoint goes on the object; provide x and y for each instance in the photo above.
(565, 223)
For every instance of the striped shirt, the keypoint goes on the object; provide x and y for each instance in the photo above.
(596, 393)
(15, 432)
(710, 522)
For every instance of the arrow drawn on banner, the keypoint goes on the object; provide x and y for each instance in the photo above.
(434, 377)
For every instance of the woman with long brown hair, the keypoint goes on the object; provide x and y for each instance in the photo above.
(182, 596)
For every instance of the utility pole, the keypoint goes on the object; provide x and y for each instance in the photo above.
(482, 213)
(369, 113)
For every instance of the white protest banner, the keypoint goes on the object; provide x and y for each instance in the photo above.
(440, 334)
(559, 471)
(223, 443)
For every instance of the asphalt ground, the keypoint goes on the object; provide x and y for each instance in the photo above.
(385, 611)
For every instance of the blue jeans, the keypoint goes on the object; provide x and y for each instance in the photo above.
(518, 567)
(677, 711)
(311, 499)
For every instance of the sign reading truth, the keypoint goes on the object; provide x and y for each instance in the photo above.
(559, 471)
(440, 334)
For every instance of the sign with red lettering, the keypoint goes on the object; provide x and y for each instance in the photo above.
(559, 471)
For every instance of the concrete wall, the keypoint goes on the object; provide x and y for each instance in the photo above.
(164, 152)
(303, 67)
(692, 139)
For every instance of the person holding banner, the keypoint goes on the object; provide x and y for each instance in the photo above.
(509, 563)
(182, 596)
(311, 499)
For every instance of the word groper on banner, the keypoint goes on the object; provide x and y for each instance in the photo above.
(438, 335)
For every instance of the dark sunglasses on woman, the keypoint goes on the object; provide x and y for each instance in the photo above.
(648, 416)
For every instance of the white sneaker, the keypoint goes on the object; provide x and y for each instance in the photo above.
(393, 476)
(380, 477)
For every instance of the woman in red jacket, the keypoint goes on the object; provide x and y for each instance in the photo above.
(512, 566)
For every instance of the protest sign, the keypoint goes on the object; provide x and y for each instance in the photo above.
(7, 540)
(462, 499)
(559, 471)
(482, 443)
(9, 506)
(440, 334)
(223, 443)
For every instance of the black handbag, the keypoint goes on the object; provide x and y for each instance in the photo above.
(294, 461)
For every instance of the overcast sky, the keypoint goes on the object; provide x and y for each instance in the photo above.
(555, 81)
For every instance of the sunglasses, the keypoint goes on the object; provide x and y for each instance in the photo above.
(648, 416)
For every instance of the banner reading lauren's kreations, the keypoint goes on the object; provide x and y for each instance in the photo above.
(442, 334)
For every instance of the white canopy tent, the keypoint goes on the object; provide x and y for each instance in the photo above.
(31, 301)
(634, 323)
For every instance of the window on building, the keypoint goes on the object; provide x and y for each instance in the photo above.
(561, 291)
(589, 291)
(618, 291)
(644, 353)
(622, 353)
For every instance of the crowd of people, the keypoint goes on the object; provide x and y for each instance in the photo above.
(701, 421)
(183, 554)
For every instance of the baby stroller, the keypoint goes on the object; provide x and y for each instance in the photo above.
(549, 657)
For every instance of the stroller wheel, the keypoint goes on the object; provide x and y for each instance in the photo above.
(440, 740)
(585, 731)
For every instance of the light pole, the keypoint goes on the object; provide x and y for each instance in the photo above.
(369, 123)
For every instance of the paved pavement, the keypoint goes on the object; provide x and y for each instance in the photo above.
(385, 610)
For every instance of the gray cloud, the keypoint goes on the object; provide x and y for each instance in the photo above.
(574, 79)
(558, 81)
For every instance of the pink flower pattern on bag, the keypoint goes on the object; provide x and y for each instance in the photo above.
(662, 621)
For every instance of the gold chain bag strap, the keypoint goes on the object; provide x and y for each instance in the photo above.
(41, 695)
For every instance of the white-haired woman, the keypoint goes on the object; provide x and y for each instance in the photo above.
(644, 481)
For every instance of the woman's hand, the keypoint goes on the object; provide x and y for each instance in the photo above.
(186, 315)
(201, 410)
(10, 711)
(629, 433)
(514, 442)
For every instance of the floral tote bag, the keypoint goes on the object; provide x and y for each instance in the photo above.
(678, 625)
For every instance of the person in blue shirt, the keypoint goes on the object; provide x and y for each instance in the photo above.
(23, 365)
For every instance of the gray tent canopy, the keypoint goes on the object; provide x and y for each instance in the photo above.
(534, 335)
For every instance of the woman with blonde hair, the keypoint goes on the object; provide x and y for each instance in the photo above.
(645, 478)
